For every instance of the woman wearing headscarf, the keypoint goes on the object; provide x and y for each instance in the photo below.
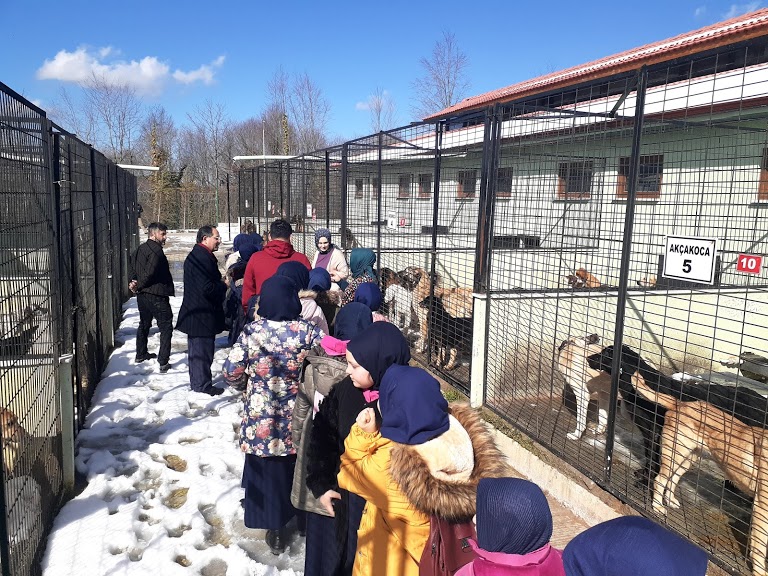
(237, 245)
(435, 454)
(369, 294)
(328, 300)
(324, 368)
(310, 310)
(632, 546)
(266, 361)
(514, 527)
(330, 257)
(375, 348)
(361, 262)
(234, 314)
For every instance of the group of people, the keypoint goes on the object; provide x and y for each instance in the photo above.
(382, 475)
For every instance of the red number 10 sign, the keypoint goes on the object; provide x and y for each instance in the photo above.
(749, 263)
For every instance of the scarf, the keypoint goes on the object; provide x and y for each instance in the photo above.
(279, 299)
(361, 262)
(296, 272)
(378, 347)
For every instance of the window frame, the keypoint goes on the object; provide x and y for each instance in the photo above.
(421, 193)
(564, 177)
(762, 186)
(623, 175)
(462, 178)
(404, 185)
(359, 189)
(504, 174)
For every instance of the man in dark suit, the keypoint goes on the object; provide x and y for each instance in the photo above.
(201, 315)
(153, 285)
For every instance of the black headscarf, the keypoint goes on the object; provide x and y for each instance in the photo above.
(296, 271)
(352, 320)
(279, 299)
(378, 347)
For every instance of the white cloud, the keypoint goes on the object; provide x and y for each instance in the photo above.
(700, 11)
(147, 76)
(363, 106)
(368, 104)
(203, 74)
(739, 9)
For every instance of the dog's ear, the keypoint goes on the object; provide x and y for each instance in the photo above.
(592, 339)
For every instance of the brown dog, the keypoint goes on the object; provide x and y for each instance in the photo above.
(12, 434)
(583, 279)
(586, 382)
(740, 450)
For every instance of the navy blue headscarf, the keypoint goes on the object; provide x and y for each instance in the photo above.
(257, 240)
(351, 321)
(369, 293)
(632, 546)
(319, 280)
(413, 410)
(378, 347)
(296, 271)
(513, 516)
(247, 251)
(240, 241)
(279, 299)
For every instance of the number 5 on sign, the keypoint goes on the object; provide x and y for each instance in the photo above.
(690, 259)
(749, 264)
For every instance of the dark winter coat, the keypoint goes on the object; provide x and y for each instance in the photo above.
(330, 427)
(319, 374)
(151, 270)
(202, 309)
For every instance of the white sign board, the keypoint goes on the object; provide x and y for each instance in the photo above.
(690, 259)
(309, 210)
(392, 220)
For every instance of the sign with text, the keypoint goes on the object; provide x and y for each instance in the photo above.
(749, 264)
(690, 259)
(392, 220)
(309, 210)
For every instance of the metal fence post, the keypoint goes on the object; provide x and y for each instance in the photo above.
(626, 251)
(327, 189)
(344, 177)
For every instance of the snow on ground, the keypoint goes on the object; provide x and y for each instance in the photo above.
(163, 469)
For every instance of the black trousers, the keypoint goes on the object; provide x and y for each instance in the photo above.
(155, 307)
(200, 359)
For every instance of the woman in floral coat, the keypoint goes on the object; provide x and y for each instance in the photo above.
(268, 356)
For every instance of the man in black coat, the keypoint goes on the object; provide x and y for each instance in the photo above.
(201, 315)
(153, 285)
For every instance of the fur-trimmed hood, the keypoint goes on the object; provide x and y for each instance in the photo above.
(452, 501)
(329, 297)
(306, 293)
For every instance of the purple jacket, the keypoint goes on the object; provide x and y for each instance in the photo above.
(546, 561)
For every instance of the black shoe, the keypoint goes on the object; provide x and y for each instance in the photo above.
(212, 391)
(147, 356)
(276, 541)
(165, 367)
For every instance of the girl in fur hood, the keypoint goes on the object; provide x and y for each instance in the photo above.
(310, 310)
(418, 472)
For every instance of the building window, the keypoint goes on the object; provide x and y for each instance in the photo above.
(648, 178)
(762, 189)
(466, 184)
(425, 185)
(358, 187)
(504, 183)
(574, 180)
(404, 186)
(374, 187)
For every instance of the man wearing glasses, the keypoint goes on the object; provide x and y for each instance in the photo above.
(201, 315)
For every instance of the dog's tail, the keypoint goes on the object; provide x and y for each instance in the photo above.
(668, 402)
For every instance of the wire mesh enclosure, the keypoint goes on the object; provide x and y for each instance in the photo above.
(589, 262)
(61, 224)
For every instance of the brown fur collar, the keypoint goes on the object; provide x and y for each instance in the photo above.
(452, 501)
(307, 294)
(329, 297)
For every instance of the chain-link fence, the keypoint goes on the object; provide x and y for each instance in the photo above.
(527, 241)
(68, 215)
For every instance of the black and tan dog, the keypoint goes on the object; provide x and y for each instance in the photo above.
(449, 333)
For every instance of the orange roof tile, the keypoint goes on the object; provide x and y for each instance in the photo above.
(737, 29)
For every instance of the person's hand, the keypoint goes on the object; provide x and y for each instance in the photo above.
(367, 420)
(335, 276)
(132, 286)
(326, 500)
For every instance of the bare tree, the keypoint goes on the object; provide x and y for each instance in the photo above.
(382, 110)
(444, 80)
(74, 118)
(118, 112)
(309, 113)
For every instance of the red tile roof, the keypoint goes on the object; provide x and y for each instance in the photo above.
(730, 31)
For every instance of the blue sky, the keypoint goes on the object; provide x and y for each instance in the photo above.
(179, 54)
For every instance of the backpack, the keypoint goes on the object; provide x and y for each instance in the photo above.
(447, 548)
